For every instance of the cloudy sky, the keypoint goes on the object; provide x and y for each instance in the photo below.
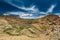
(29, 8)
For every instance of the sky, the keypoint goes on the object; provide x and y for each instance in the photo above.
(29, 9)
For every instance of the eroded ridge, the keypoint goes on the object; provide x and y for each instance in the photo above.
(47, 27)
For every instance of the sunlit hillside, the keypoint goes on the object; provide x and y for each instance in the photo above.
(45, 28)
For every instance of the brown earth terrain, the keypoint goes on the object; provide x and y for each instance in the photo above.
(46, 28)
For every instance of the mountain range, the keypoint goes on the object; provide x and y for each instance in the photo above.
(45, 28)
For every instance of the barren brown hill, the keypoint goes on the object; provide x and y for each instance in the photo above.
(46, 28)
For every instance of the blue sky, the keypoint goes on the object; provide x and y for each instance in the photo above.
(37, 7)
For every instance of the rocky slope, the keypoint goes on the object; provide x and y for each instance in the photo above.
(46, 28)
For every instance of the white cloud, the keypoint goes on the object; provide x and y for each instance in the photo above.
(28, 8)
(27, 15)
(57, 14)
(5, 14)
(51, 9)
(23, 15)
(32, 10)
(20, 14)
(11, 13)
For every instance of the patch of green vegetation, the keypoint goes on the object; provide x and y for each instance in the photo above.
(25, 26)
(29, 21)
(16, 29)
(10, 30)
(32, 31)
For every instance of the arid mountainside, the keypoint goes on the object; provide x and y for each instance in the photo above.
(46, 28)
